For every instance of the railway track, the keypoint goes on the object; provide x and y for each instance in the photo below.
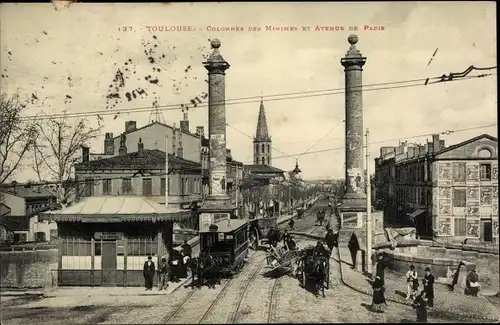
(192, 308)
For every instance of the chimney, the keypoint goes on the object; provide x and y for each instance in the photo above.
(441, 144)
(140, 147)
(200, 131)
(109, 144)
(85, 154)
(123, 147)
(185, 123)
(430, 147)
(180, 150)
(435, 142)
(228, 153)
(130, 126)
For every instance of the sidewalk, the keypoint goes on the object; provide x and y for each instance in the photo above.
(445, 302)
(97, 291)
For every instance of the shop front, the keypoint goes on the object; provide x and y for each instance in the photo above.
(104, 241)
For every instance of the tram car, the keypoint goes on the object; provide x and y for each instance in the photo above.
(226, 242)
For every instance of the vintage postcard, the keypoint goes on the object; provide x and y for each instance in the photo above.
(248, 162)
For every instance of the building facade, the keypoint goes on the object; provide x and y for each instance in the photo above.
(22, 203)
(446, 192)
(262, 150)
(141, 173)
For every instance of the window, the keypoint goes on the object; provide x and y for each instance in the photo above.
(459, 172)
(126, 186)
(268, 161)
(106, 186)
(168, 184)
(268, 148)
(459, 197)
(182, 186)
(263, 149)
(147, 187)
(263, 161)
(484, 153)
(89, 187)
(485, 172)
(162, 186)
(459, 226)
(257, 149)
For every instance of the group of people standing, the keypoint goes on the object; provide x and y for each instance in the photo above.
(421, 300)
(171, 269)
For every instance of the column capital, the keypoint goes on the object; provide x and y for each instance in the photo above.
(353, 57)
(215, 63)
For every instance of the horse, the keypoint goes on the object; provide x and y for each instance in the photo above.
(318, 275)
(210, 271)
(194, 266)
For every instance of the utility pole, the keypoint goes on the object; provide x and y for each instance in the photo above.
(166, 170)
(368, 208)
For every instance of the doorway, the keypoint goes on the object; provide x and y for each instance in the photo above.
(487, 230)
(109, 272)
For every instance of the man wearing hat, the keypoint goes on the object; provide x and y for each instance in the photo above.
(429, 286)
(412, 282)
(149, 273)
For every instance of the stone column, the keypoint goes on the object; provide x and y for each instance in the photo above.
(217, 203)
(355, 196)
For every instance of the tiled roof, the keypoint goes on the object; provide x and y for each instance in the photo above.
(148, 158)
(262, 169)
(33, 191)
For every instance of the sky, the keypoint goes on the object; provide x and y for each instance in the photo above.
(68, 58)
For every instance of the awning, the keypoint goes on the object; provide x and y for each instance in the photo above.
(416, 213)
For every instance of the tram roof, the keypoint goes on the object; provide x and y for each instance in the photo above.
(224, 227)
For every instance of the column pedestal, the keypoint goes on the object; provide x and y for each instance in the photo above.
(214, 209)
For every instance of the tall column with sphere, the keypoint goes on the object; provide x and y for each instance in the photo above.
(355, 196)
(217, 203)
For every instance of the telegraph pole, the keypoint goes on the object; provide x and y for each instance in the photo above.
(368, 208)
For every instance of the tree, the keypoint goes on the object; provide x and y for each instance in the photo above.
(16, 135)
(57, 148)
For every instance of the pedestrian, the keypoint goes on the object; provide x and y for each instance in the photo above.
(186, 248)
(429, 286)
(149, 273)
(472, 283)
(163, 273)
(420, 306)
(381, 265)
(412, 283)
(173, 261)
(185, 262)
(378, 301)
(290, 224)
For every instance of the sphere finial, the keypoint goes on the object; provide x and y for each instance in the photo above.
(352, 39)
(215, 43)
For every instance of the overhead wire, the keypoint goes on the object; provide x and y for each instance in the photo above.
(254, 99)
(173, 170)
(331, 130)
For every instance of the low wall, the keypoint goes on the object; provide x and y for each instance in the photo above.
(28, 269)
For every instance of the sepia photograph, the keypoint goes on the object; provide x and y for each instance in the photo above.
(248, 162)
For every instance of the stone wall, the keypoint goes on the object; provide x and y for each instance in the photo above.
(28, 269)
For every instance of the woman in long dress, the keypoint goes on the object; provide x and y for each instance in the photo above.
(378, 301)
(420, 305)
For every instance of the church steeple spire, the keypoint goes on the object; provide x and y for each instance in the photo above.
(262, 141)
(262, 133)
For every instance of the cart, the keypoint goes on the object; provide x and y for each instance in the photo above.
(282, 259)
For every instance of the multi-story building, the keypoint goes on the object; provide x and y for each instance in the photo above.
(447, 192)
(21, 204)
(141, 173)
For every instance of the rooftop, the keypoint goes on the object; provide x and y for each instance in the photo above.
(262, 169)
(225, 227)
(147, 158)
(28, 191)
(116, 209)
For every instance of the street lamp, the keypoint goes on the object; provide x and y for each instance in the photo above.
(294, 172)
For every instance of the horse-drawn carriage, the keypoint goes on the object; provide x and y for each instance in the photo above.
(320, 217)
(282, 258)
(314, 265)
